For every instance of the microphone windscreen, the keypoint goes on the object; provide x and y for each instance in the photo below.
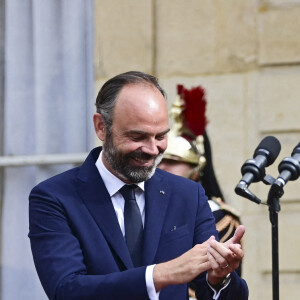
(269, 147)
(296, 149)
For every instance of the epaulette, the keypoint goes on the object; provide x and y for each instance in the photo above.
(226, 207)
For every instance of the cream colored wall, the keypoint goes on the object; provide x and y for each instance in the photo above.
(246, 54)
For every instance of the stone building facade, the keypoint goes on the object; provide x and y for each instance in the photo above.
(246, 55)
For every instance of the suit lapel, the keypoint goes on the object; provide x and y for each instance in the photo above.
(97, 199)
(157, 200)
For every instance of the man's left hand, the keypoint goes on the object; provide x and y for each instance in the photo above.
(225, 257)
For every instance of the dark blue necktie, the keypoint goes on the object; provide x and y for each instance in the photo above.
(133, 224)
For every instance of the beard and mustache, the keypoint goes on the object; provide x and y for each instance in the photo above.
(121, 163)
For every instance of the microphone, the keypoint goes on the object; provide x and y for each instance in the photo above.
(289, 168)
(253, 170)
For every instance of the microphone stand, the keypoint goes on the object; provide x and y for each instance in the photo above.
(275, 194)
(289, 169)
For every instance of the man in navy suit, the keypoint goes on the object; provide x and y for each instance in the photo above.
(77, 229)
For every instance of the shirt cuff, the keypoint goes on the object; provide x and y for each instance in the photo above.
(153, 295)
(217, 293)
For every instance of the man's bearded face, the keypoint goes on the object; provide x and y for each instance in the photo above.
(122, 162)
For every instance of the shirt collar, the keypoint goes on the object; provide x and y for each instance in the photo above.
(112, 182)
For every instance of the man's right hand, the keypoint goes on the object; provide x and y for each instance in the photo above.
(184, 268)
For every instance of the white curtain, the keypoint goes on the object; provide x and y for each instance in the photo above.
(48, 107)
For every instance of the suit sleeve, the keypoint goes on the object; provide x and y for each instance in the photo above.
(59, 259)
(236, 289)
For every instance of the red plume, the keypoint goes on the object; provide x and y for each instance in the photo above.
(194, 109)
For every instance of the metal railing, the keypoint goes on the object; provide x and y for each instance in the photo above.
(42, 159)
